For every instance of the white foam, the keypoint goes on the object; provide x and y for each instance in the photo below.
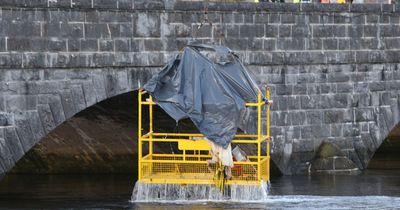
(164, 193)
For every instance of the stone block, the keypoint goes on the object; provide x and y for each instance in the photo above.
(148, 25)
(68, 103)
(291, 44)
(159, 5)
(271, 31)
(46, 117)
(125, 4)
(96, 30)
(285, 31)
(336, 130)
(389, 30)
(300, 89)
(71, 30)
(6, 119)
(82, 4)
(322, 31)
(330, 44)
(18, 44)
(313, 44)
(344, 44)
(293, 102)
(355, 31)
(351, 130)
(105, 4)
(153, 45)
(297, 117)
(309, 102)
(99, 86)
(23, 29)
(24, 131)
(13, 143)
(16, 103)
(255, 30)
(89, 45)
(284, 89)
(34, 60)
(274, 18)
(376, 86)
(35, 126)
(338, 77)
(106, 45)
(344, 87)
(341, 19)
(287, 18)
(301, 31)
(59, 4)
(78, 97)
(281, 118)
(122, 45)
(333, 116)
(2, 44)
(366, 114)
(259, 18)
(108, 59)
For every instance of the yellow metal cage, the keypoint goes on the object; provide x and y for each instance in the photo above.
(189, 165)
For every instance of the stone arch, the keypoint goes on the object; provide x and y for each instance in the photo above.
(37, 101)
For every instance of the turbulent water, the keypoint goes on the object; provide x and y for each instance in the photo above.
(371, 190)
(144, 192)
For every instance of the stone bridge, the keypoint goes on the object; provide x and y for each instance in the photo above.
(334, 70)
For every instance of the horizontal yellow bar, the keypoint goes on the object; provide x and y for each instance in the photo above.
(255, 104)
(246, 104)
(192, 162)
(198, 134)
(147, 103)
(196, 181)
(242, 141)
(179, 155)
(263, 158)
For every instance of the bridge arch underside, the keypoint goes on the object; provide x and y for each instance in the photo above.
(35, 102)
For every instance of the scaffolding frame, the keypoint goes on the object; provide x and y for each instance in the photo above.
(189, 166)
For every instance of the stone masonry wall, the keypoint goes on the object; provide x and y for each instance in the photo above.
(333, 69)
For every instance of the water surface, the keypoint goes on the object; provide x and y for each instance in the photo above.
(371, 190)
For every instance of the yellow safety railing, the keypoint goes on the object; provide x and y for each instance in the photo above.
(189, 164)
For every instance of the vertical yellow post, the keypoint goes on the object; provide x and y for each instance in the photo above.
(268, 92)
(139, 135)
(151, 127)
(259, 101)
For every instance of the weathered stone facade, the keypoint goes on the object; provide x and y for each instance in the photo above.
(334, 70)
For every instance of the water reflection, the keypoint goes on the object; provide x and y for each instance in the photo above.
(371, 189)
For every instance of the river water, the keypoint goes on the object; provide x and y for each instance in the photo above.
(370, 190)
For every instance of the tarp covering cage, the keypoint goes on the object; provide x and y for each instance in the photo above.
(207, 84)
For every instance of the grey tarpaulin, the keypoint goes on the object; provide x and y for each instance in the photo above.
(211, 89)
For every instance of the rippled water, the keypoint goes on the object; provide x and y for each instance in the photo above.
(371, 190)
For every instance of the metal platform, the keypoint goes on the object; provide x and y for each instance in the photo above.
(189, 164)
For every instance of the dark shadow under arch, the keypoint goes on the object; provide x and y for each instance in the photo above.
(387, 156)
